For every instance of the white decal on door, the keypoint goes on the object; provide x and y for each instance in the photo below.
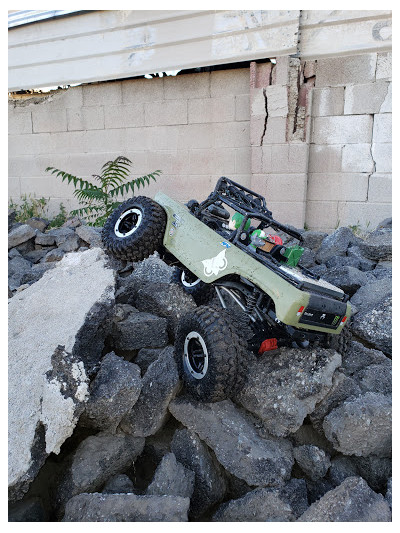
(216, 264)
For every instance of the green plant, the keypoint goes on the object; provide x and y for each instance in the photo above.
(60, 218)
(28, 207)
(98, 201)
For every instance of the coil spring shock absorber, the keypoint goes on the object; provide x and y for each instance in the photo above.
(252, 300)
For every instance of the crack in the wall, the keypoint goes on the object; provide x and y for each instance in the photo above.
(372, 157)
(266, 116)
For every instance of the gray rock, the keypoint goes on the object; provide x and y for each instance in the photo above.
(113, 393)
(364, 264)
(316, 489)
(159, 386)
(71, 243)
(54, 255)
(343, 387)
(51, 338)
(339, 261)
(38, 223)
(166, 300)
(361, 426)
(37, 271)
(282, 389)
(18, 267)
(313, 239)
(352, 501)
(146, 356)
(234, 439)
(335, 244)
(140, 330)
(44, 239)
(73, 222)
(209, 483)
(348, 278)
(307, 260)
(95, 460)
(259, 505)
(20, 234)
(319, 270)
(307, 434)
(376, 378)
(370, 294)
(151, 270)
(119, 484)
(375, 470)
(27, 246)
(378, 245)
(386, 223)
(126, 508)
(374, 325)
(341, 468)
(61, 234)
(172, 479)
(388, 495)
(359, 356)
(11, 218)
(28, 510)
(383, 270)
(13, 253)
(90, 234)
(35, 255)
(312, 460)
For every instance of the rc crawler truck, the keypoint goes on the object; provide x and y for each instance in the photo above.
(251, 292)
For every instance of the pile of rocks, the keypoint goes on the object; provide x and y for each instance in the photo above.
(112, 436)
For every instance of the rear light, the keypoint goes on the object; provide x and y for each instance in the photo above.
(344, 319)
(300, 310)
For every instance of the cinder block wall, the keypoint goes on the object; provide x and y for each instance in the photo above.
(314, 137)
(193, 127)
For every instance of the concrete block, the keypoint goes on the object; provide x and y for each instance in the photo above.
(277, 101)
(48, 186)
(221, 109)
(322, 215)
(357, 158)
(331, 187)
(382, 128)
(102, 93)
(242, 160)
(280, 72)
(327, 101)
(85, 118)
(281, 187)
(154, 139)
(384, 66)
(386, 107)
(367, 214)
(275, 131)
(292, 213)
(257, 102)
(208, 162)
(124, 116)
(235, 81)
(46, 119)
(19, 123)
(95, 141)
(140, 162)
(382, 154)
(325, 158)
(142, 90)
(198, 135)
(166, 112)
(28, 144)
(380, 188)
(242, 107)
(288, 158)
(257, 130)
(14, 187)
(187, 86)
(336, 71)
(342, 130)
(169, 161)
(183, 188)
(366, 98)
(256, 158)
(309, 69)
(71, 97)
(233, 134)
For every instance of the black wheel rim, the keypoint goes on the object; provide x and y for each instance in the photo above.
(195, 355)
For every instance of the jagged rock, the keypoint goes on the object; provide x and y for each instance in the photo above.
(18, 267)
(54, 255)
(348, 278)
(61, 234)
(370, 294)
(126, 508)
(341, 468)
(146, 356)
(312, 460)
(37, 271)
(71, 244)
(28, 510)
(339, 261)
(376, 378)
(282, 389)
(364, 264)
(13, 252)
(26, 246)
(375, 325)
(378, 245)
(165, 300)
(113, 393)
(313, 239)
(151, 270)
(343, 387)
(319, 270)
(172, 479)
(35, 255)
(361, 426)
(307, 434)
(386, 223)
(160, 384)
(352, 501)
(383, 270)
(45, 239)
(73, 222)
(316, 489)
(56, 326)
(140, 330)
(234, 439)
(90, 234)
(375, 470)
(95, 460)
(20, 234)
(307, 260)
(119, 484)
(358, 357)
(335, 244)
(209, 483)
(38, 223)
(388, 495)
(11, 218)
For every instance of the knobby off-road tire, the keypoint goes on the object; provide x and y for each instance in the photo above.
(202, 292)
(135, 229)
(209, 355)
(341, 342)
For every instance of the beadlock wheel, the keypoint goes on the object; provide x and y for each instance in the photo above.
(195, 355)
(128, 223)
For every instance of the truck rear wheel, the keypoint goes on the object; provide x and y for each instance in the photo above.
(135, 229)
(341, 342)
(209, 355)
